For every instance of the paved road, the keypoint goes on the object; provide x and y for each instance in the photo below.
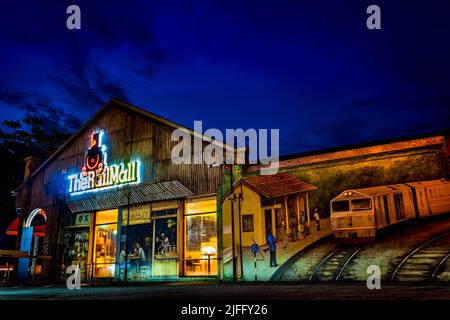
(240, 291)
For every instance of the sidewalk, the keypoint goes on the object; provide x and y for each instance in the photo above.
(264, 271)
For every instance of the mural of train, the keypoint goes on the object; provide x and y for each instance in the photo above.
(359, 215)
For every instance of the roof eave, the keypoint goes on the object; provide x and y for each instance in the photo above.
(127, 106)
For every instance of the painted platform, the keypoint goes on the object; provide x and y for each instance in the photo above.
(263, 269)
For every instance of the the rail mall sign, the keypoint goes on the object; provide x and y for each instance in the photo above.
(97, 175)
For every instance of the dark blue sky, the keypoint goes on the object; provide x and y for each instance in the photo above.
(310, 68)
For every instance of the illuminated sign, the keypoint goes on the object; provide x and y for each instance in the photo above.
(97, 175)
(83, 219)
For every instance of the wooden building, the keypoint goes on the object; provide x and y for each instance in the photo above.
(114, 204)
(261, 201)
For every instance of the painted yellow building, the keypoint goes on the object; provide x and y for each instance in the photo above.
(258, 204)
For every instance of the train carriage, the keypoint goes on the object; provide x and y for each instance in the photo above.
(358, 214)
(432, 197)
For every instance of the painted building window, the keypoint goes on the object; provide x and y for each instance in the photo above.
(247, 223)
(200, 254)
(105, 244)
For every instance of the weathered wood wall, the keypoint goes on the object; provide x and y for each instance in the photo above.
(128, 135)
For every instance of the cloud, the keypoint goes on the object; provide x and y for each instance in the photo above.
(41, 107)
(76, 72)
(324, 135)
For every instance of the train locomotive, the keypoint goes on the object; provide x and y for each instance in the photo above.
(358, 215)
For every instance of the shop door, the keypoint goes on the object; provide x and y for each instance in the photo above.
(165, 244)
(137, 258)
(76, 249)
(105, 243)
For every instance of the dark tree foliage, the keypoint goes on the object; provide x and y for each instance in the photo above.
(18, 140)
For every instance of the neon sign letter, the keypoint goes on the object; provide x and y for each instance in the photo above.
(97, 175)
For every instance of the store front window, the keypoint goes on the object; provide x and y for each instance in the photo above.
(105, 243)
(200, 255)
(76, 244)
(135, 258)
(166, 253)
(148, 241)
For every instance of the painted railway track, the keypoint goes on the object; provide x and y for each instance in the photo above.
(425, 262)
(333, 265)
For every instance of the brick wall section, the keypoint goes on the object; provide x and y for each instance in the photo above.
(372, 150)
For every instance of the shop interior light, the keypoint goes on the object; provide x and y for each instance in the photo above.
(209, 250)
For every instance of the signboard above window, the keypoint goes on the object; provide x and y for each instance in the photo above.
(138, 215)
(83, 219)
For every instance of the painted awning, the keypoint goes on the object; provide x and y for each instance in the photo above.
(277, 185)
(14, 226)
(168, 190)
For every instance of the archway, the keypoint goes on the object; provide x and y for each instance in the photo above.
(33, 214)
(30, 243)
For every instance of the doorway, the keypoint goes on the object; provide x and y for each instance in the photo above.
(268, 220)
(386, 210)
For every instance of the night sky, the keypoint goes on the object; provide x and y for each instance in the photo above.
(310, 68)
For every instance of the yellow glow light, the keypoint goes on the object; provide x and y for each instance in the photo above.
(209, 250)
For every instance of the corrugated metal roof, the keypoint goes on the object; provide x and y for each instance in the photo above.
(277, 185)
(167, 190)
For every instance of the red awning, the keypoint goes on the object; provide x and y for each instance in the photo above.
(37, 230)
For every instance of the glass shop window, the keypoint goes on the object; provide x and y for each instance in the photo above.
(105, 244)
(200, 254)
(135, 256)
(247, 223)
(201, 244)
(206, 206)
(76, 244)
(76, 250)
(165, 243)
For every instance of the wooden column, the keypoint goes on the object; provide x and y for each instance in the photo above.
(307, 208)
(272, 218)
(286, 209)
(298, 207)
